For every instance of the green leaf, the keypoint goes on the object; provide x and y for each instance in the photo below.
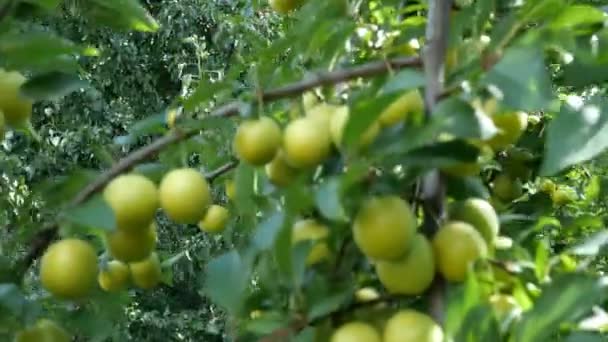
(283, 252)
(327, 198)
(542, 259)
(581, 336)
(441, 154)
(566, 299)
(403, 80)
(592, 245)
(121, 14)
(267, 323)
(11, 299)
(576, 15)
(362, 114)
(204, 92)
(226, 280)
(328, 303)
(461, 188)
(574, 136)
(52, 86)
(46, 4)
(94, 213)
(523, 78)
(153, 171)
(479, 325)
(267, 231)
(244, 178)
(458, 118)
(59, 190)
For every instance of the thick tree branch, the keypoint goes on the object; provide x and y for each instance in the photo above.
(433, 184)
(49, 233)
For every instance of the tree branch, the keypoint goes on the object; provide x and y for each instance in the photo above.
(433, 184)
(49, 233)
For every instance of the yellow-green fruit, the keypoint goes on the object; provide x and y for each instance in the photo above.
(410, 102)
(279, 172)
(478, 213)
(563, 196)
(230, 187)
(456, 245)
(547, 185)
(184, 195)
(44, 330)
(309, 100)
(366, 294)
(413, 273)
(146, 274)
(131, 246)
(384, 227)
(324, 111)
(257, 141)
(114, 277)
(504, 305)
(338, 124)
(133, 199)
(17, 108)
(507, 188)
(68, 268)
(510, 126)
(412, 326)
(215, 219)
(284, 6)
(311, 230)
(306, 142)
(356, 332)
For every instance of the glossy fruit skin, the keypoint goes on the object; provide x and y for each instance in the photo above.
(284, 6)
(412, 326)
(511, 127)
(413, 273)
(279, 172)
(17, 109)
(215, 219)
(338, 124)
(68, 269)
(131, 246)
(306, 142)
(562, 196)
(311, 230)
(547, 185)
(384, 227)
(184, 195)
(507, 188)
(366, 294)
(230, 187)
(133, 199)
(257, 141)
(44, 330)
(478, 213)
(146, 274)
(356, 332)
(114, 277)
(410, 102)
(456, 245)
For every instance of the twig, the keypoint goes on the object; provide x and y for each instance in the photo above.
(49, 233)
(433, 184)
(211, 176)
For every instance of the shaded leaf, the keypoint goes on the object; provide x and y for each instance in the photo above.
(328, 303)
(52, 86)
(267, 231)
(327, 198)
(460, 119)
(566, 299)
(267, 323)
(12, 300)
(522, 77)
(403, 80)
(226, 280)
(121, 14)
(94, 213)
(574, 136)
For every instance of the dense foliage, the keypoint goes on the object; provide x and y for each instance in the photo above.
(326, 209)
